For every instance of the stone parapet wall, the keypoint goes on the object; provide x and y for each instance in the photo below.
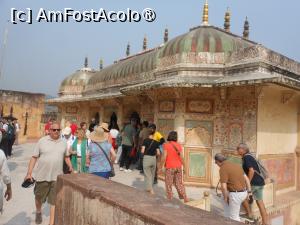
(86, 199)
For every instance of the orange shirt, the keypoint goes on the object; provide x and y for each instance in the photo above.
(173, 160)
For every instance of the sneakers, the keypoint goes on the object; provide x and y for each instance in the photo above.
(248, 218)
(128, 170)
(38, 218)
(121, 169)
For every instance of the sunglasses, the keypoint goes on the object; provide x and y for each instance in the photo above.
(56, 130)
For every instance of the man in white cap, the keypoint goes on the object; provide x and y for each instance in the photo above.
(67, 136)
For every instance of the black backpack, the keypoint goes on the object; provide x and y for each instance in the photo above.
(10, 132)
(263, 173)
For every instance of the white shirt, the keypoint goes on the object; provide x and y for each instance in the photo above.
(4, 171)
(69, 141)
(114, 133)
(4, 174)
(5, 127)
(17, 127)
(78, 150)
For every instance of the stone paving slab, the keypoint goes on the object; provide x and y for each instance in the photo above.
(20, 210)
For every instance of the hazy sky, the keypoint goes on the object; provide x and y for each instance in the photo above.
(39, 56)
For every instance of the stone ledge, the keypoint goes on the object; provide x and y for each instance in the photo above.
(88, 199)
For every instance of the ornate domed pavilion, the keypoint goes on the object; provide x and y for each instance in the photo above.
(215, 88)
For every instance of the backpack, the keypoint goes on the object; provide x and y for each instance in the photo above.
(119, 140)
(263, 172)
(10, 131)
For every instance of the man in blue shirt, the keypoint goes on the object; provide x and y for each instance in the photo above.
(251, 169)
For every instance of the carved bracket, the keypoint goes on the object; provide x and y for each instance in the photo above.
(286, 96)
(119, 101)
(259, 94)
(151, 95)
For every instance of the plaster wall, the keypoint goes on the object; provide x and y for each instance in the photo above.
(22, 102)
(294, 215)
(276, 123)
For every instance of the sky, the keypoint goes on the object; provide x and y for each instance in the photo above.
(38, 56)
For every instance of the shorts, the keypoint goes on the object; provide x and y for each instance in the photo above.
(45, 191)
(257, 192)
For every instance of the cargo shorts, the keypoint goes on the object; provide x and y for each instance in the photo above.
(257, 192)
(45, 191)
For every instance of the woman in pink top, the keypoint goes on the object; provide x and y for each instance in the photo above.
(172, 160)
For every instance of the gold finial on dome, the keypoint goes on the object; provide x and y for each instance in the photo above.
(128, 49)
(205, 14)
(101, 64)
(86, 64)
(246, 29)
(166, 35)
(145, 43)
(227, 21)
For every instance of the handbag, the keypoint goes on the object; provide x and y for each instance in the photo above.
(132, 153)
(177, 151)
(112, 171)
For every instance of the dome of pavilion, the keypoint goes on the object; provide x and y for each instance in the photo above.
(202, 39)
(203, 45)
(138, 64)
(75, 83)
(205, 56)
(205, 39)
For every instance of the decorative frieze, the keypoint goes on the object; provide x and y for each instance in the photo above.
(235, 135)
(71, 109)
(198, 165)
(166, 106)
(164, 126)
(198, 133)
(199, 106)
(281, 168)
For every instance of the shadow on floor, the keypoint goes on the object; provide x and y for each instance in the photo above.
(19, 219)
(45, 210)
(17, 151)
(158, 190)
(12, 166)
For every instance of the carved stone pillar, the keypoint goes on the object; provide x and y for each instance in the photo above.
(179, 122)
(120, 115)
(215, 177)
(297, 151)
(101, 114)
(298, 168)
